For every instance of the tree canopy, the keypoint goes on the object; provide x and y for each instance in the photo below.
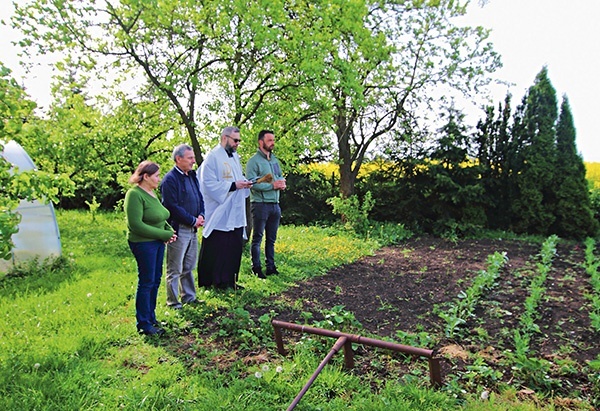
(341, 72)
(348, 81)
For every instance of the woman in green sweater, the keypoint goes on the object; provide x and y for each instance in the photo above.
(148, 232)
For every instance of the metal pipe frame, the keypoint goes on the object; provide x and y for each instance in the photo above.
(337, 346)
(435, 375)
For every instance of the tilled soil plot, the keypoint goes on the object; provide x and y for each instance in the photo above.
(395, 291)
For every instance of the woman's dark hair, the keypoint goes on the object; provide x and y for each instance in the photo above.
(145, 167)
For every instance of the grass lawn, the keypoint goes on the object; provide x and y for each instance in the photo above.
(68, 339)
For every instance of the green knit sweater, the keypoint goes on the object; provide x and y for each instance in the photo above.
(146, 217)
(258, 166)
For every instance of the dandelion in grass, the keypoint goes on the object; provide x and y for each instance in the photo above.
(258, 374)
(265, 368)
(279, 369)
(36, 365)
(89, 295)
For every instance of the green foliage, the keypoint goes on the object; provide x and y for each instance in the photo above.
(592, 262)
(17, 185)
(595, 203)
(36, 273)
(534, 201)
(495, 152)
(389, 233)
(462, 308)
(338, 318)
(534, 179)
(420, 339)
(94, 206)
(355, 219)
(534, 371)
(374, 88)
(536, 287)
(348, 66)
(453, 190)
(306, 201)
(239, 325)
(9, 222)
(574, 216)
(351, 70)
(354, 214)
(480, 374)
(595, 378)
(98, 147)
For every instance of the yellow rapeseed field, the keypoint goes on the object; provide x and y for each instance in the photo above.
(593, 174)
(592, 170)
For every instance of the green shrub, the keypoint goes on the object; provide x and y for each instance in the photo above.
(354, 214)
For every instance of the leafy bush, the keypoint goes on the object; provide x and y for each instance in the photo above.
(595, 202)
(354, 214)
(389, 233)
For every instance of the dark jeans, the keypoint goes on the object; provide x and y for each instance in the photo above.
(149, 256)
(265, 219)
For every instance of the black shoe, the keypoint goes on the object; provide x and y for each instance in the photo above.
(272, 271)
(152, 331)
(258, 271)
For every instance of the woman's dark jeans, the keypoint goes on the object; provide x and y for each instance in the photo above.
(149, 256)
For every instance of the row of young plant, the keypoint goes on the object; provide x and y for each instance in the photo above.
(464, 305)
(591, 267)
(531, 369)
(592, 262)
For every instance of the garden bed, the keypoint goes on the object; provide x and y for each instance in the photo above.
(396, 293)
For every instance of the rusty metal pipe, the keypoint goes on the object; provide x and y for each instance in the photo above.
(334, 350)
(279, 341)
(435, 374)
(421, 352)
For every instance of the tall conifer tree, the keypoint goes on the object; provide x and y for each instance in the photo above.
(455, 195)
(574, 216)
(493, 142)
(533, 200)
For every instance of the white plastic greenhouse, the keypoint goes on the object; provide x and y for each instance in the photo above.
(38, 234)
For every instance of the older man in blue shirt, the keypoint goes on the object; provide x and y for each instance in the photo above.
(181, 195)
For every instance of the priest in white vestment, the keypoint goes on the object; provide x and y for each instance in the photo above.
(225, 190)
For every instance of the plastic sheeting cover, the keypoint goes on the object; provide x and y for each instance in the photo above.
(38, 234)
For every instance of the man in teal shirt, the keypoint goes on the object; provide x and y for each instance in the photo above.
(264, 202)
